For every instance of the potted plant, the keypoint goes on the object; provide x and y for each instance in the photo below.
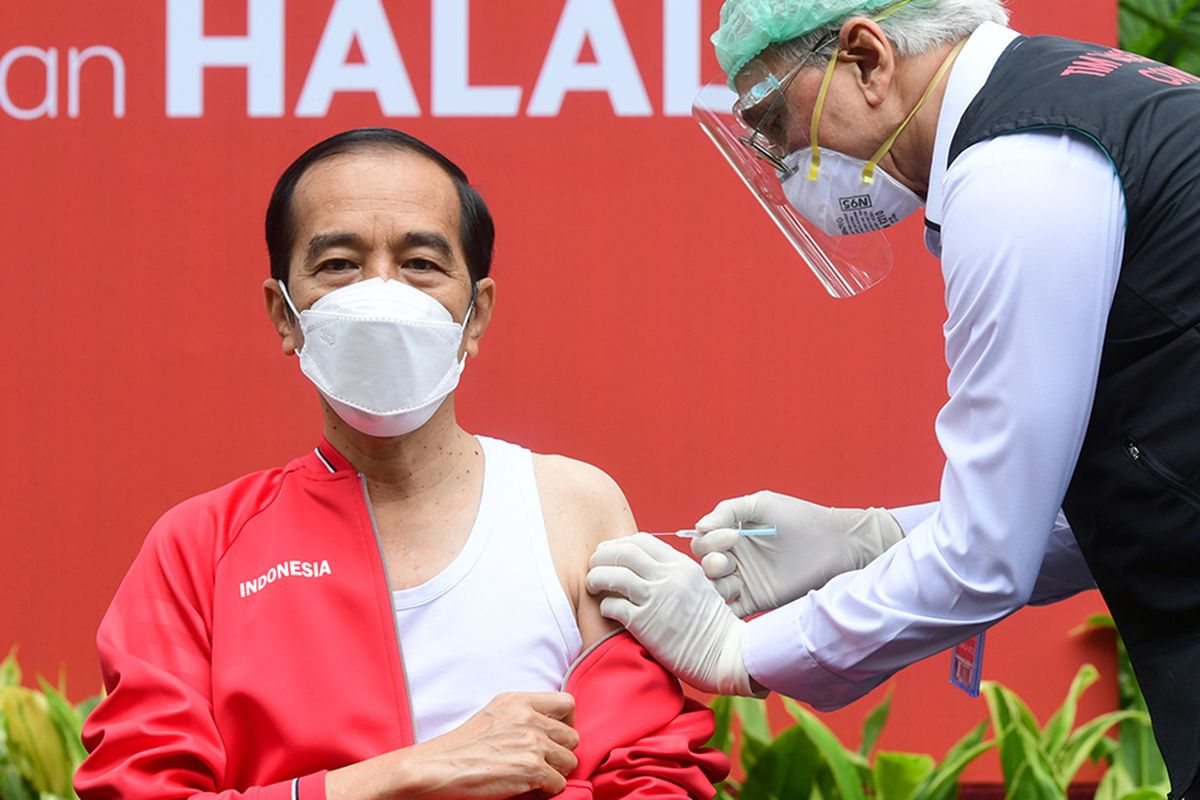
(40, 745)
(806, 761)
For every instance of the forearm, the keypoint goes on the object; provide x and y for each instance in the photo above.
(392, 776)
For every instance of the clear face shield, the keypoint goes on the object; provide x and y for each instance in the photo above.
(840, 238)
(845, 265)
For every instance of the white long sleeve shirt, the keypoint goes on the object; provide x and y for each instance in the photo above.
(1033, 228)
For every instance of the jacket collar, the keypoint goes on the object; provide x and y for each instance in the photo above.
(328, 459)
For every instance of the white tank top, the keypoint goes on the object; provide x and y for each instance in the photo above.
(496, 619)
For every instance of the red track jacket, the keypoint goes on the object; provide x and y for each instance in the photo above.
(252, 647)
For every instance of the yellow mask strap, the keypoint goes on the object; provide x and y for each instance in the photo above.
(868, 175)
(815, 169)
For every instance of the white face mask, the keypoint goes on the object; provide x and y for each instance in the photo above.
(383, 354)
(840, 202)
(843, 195)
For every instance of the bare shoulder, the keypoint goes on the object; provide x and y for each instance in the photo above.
(582, 507)
(584, 492)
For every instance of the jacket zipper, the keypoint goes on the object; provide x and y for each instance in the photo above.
(387, 582)
(1161, 472)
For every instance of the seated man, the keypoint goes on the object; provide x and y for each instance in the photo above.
(400, 613)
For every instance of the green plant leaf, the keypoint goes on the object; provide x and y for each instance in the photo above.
(13, 786)
(1028, 772)
(1054, 737)
(1145, 794)
(866, 773)
(10, 670)
(1032, 774)
(1137, 759)
(1006, 726)
(873, 725)
(942, 783)
(1083, 742)
(1138, 754)
(1165, 30)
(85, 707)
(1114, 785)
(840, 762)
(721, 706)
(756, 731)
(1095, 621)
(897, 775)
(1103, 752)
(68, 722)
(785, 769)
(752, 713)
(34, 743)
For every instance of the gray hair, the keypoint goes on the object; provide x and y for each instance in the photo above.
(913, 29)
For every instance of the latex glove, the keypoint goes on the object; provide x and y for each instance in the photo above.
(814, 543)
(663, 598)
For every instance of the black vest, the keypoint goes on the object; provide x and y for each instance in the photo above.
(1134, 499)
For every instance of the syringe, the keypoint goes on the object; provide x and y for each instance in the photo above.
(693, 533)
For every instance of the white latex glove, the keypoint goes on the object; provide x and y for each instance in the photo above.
(664, 600)
(814, 543)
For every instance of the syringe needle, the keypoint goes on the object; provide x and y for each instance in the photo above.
(751, 532)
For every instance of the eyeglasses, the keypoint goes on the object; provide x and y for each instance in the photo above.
(758, 138)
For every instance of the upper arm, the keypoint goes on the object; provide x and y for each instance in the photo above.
(1064, 571)
(1033, 241)
(582, 507)
(154, 734)
(154, 731)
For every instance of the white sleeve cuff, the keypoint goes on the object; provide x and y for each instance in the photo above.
(776, 656)
(910, 517)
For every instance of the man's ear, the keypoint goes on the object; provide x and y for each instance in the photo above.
(481, 317)
(864, 44)
(282, 318)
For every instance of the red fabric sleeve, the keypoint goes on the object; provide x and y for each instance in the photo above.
(639, 735)
(153, 737)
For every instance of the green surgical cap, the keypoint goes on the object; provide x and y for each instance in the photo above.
(749, 27)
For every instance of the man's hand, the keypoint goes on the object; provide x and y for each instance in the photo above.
(814, 543)
(664, 600)
(519, 743)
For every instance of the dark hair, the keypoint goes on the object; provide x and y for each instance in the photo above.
(476, 230)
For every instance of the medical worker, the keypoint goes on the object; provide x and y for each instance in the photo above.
(1059, 185)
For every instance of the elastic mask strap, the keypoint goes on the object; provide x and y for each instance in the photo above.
(868, 175)
(815, 169)
(471, 306)
(287, 298)
(467, 317)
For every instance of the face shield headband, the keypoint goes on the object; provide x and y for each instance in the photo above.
(846, 265)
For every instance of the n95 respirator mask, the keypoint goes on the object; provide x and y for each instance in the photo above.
(383, 354)
(839, 201)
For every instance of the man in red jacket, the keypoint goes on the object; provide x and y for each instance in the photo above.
(400, 613)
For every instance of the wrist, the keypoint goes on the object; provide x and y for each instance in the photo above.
(390, 776)
(735, 680)
(871, 535)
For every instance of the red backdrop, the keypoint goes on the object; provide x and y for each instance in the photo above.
(649, 319)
